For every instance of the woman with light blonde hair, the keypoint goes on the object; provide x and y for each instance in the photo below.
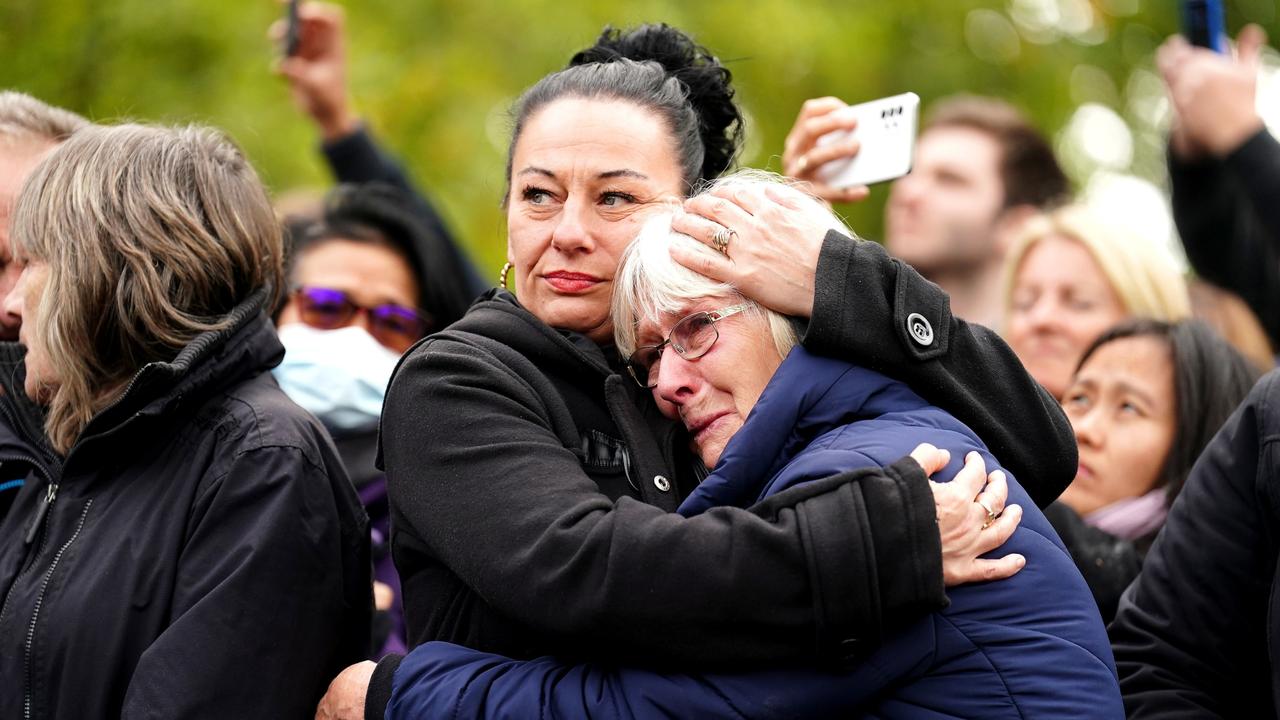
(184, 543)
(1069, 277)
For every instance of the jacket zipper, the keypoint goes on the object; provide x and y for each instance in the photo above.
(28, 565)
(37, 522)
(35, 615)
(41, 513)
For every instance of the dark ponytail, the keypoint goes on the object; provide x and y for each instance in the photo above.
(708, 84)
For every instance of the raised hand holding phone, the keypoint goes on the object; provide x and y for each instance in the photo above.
(317, 68)
(801, 158)
(885, 130)
(839, 149)
(1213, 96)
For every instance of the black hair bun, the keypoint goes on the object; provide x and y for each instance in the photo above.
(708, 83)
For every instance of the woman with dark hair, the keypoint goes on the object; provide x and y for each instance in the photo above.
(532, 485)
(185, 543)
(366, 281)
(1145, 401)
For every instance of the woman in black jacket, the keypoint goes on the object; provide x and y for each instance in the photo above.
(185, 543)
(532, 484)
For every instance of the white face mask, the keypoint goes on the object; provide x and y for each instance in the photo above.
(340, 375)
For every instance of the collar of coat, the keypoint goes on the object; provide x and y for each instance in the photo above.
(807, 397)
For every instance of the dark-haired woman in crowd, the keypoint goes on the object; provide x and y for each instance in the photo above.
(1147, 398)
(185, 543)
(366, 281)
(532, 485)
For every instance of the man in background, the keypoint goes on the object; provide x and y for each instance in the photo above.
(980, 170)
(29, 130)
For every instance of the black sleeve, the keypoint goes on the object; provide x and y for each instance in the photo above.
(262, 613)
(356, 158)
(1228, 215)
(879, 312)
(479, 477)
(1191, 635)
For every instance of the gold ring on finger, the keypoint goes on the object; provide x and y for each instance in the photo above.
(721, 239)
(991, 517)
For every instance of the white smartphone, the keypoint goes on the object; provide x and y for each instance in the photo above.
(887, 130)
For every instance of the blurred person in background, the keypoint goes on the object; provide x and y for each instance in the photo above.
(1069, 278)
(366, 281)
(788, 418)
(1224, 171)
(980, 171)
(29, 130)
(533, 486)
(317, 77)
(1233, 320)
(1147, 398)
(186, 543)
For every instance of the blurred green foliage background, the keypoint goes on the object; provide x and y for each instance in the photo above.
(435, 78)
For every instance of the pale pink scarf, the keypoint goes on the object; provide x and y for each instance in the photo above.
(1131, 518)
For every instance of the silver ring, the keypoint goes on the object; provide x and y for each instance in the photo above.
(721, 239)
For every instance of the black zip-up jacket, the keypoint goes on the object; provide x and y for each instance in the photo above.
(1196, 634)
(198, 554)
(532, 489)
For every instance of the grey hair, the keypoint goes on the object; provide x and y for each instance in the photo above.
(644, 84)
(650, 284)
(24, 118)
(152, 236)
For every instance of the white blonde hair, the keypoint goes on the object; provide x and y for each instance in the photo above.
(650, 284)
(1142, 274)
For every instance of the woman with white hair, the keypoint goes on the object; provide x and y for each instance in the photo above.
(768, 415)
(185, 542)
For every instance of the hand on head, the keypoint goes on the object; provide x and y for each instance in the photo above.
(1212, 95)
(771, 255)
(317, 72)
(802, 156)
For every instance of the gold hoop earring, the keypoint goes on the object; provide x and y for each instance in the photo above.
(502, 276)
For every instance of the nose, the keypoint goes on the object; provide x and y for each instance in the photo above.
(678, 379)
(10, 319)
(1088, 426)
(1043, 313)
(571, 233)
(906, 190)
(11, 305)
